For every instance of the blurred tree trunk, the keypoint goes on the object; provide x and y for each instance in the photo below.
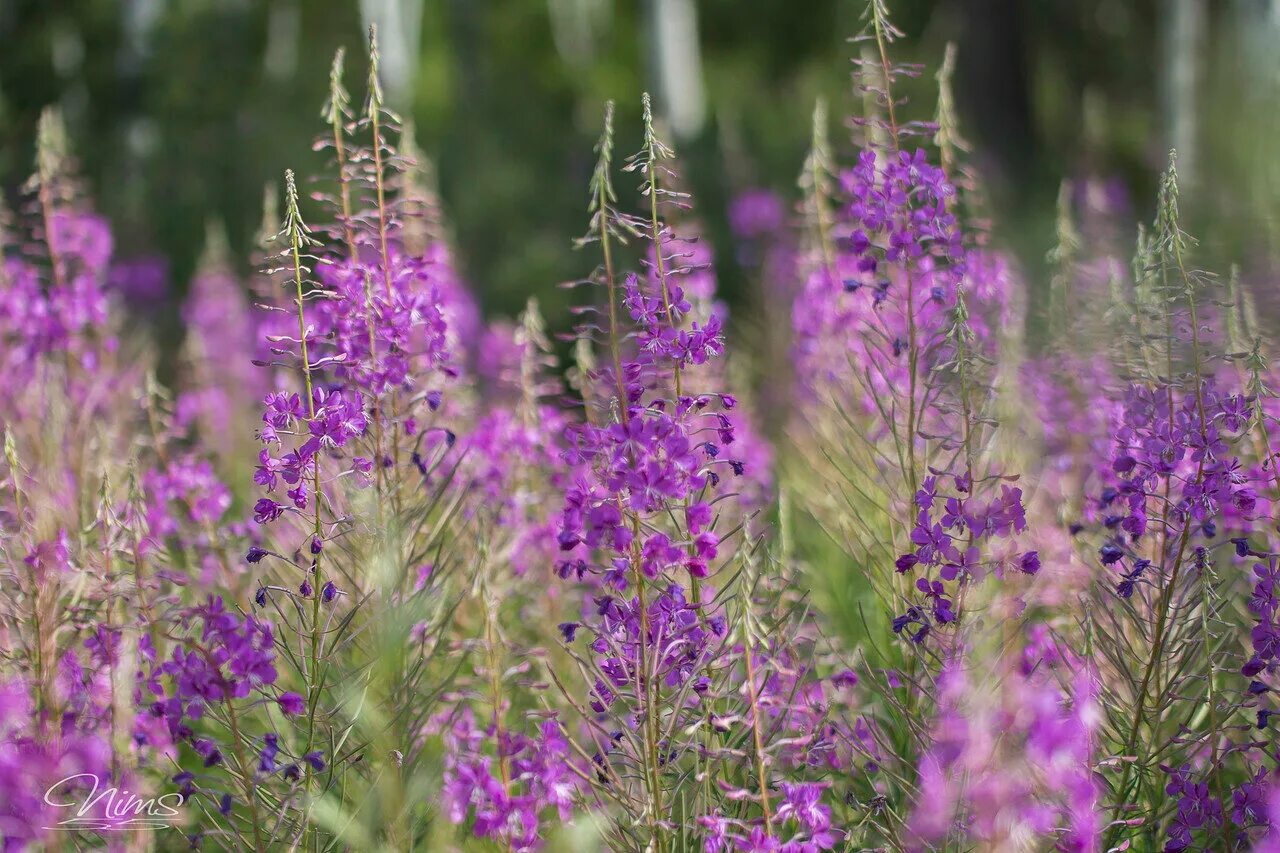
(1184, 25)
(399, 40)
(676, 65)
(992, 85)
(576, 25)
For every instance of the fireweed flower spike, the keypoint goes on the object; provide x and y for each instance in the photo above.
(672, 683)
(83, 532)
(330, 420)
(1181, 485)
(368, 352)
(896, 354)
(894, 326)
(218, 386)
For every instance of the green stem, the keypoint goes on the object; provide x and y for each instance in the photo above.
(913, 349)
(1166, 596)
(757, 734)
(656, 230)
(495, 686)
(379, 185)
(246, 775)
(344, 190)
(313, 688)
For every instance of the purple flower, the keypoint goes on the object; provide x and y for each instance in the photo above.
(802, 803)
(267, 756)
(291, 703)
(266, 511)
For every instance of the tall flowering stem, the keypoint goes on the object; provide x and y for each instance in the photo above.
(885, 33)
(651, 157)
(299, 237)
(604, 224)
(245, 771)
(650, 686)
(753, 690)
(335, 112)
(50, 151)
(815, 182)
(607, 226)
(670, 703)
(373, 114)
(1171, 242)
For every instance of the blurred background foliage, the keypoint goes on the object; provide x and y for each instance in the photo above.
(182, 110)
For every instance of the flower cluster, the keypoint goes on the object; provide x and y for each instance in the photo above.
(878, 303)
(946, 525)
(804, 825)
(184, 492)
(230, 658)
(507, 795)
(386, 324)
(1183, 447)
(317, 430)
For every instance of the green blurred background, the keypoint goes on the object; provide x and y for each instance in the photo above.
(181, 110)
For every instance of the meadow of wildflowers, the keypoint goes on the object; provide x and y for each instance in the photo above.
(360, 570)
